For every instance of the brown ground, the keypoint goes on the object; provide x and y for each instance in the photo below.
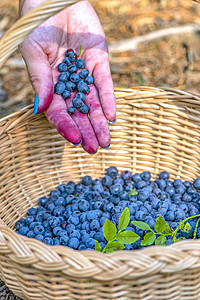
(159, 63)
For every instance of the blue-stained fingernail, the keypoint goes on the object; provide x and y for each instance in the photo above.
(113, 122)
(106, 147)
(78, 143)
(36, 104)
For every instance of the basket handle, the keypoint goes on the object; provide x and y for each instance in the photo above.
(25, 25)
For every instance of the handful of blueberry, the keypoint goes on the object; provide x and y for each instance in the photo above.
(73, 77)
(74, 214)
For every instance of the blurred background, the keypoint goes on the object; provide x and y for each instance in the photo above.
(164, 49)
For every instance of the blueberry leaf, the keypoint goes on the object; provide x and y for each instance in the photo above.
(97, 246)
(113, 246)
(160, 241)
(141, 225)
(133, 193)
(109, 230)
(124, 219)
(148, 239)
(187, 227)
(181, 225)
(167, 228)
(160, 225)
(127, 237)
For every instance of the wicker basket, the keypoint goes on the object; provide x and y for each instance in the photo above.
(157, 129)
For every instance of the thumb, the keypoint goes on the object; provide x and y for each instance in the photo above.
(40, 73)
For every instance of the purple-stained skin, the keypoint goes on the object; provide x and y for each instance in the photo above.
(45, 48)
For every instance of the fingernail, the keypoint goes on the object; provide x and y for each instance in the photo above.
(36, 104)
(106, 147)
(113, 122)
(78, 143)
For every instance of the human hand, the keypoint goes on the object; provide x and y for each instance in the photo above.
(44, 49)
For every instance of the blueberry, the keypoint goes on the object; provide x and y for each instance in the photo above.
(73, 220)
(161, 184)
(72, 57)
(48, 241)
(72, 69)
(99, 237)
(116, 189)
(32, 211)
(76, 233)
(140, 215)
(34, 224)
(126, 175)
(196, 183)
(66, 94)
(70, 86)
(56, 230)
(77, 103)
(80, 63)
(107, 181)
(89, 80)
(74, 78)
(136, 177)
(71, 110)
(39, 237)
(24, 230)
(81, 247)
(170, 190)
(118, 180)
(177, 182)
(60, 201)
(84, 109)
(39, 217)
(164, 175)
(64, 76)
(69, 52)
(102, 220)
(48, 233)
(73, 243)
(112, 172)
(146, 176)
(29, 220)
(83, 87)
(67, 61)
(54, 195)
(31, 234)
(87, 180)
(140, 184)
(64, 240)
(179, 214)
(90, 243)
(53, 221)
(39, 229)
(58, 211)
(187, 184)
(62, 67)
(183, 207)
(59, 88)
(187, 198)
(83, 205)
(84, 73)
(180, 189)
(80, 96)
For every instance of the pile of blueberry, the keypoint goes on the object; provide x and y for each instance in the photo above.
(71, 79)
(74, 214)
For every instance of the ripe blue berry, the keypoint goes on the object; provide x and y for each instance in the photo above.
(74, 78)
(64, 76)
(62, 67)
(80, 64)
(39, 237)
(59, 88)
(39, 229)
(80, 96)
(196, 183)
(72, 69)
(84, 109)
(48, 241)
(83, 87)
(67, 61)
(32, 211)
(164, 175)
(89, 80)
(70, 86)
(112, 172)
(71, 110)
(77, 103)
(84, 73)
(24, 230)
(73, 243)
(31, 234)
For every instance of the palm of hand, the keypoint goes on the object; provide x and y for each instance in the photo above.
(44, 50)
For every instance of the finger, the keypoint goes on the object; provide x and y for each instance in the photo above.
(89, 141)
(57, 114)
(40, 72)
(97, 63)
(97, 118)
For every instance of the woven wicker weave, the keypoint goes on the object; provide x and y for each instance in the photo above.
(157, 129)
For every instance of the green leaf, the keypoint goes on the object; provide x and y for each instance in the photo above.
(160, 225)
(113, 246)
(97, 246)
(141, 225)
(187, 227)
(80, 50)
(133, 193)
(127, 237)
(181, 225)
(109, 230)
(180, 239)
(124, 219)
(167, 228)
(148, 239)
(160, 241)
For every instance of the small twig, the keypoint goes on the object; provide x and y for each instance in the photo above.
(133, 43)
